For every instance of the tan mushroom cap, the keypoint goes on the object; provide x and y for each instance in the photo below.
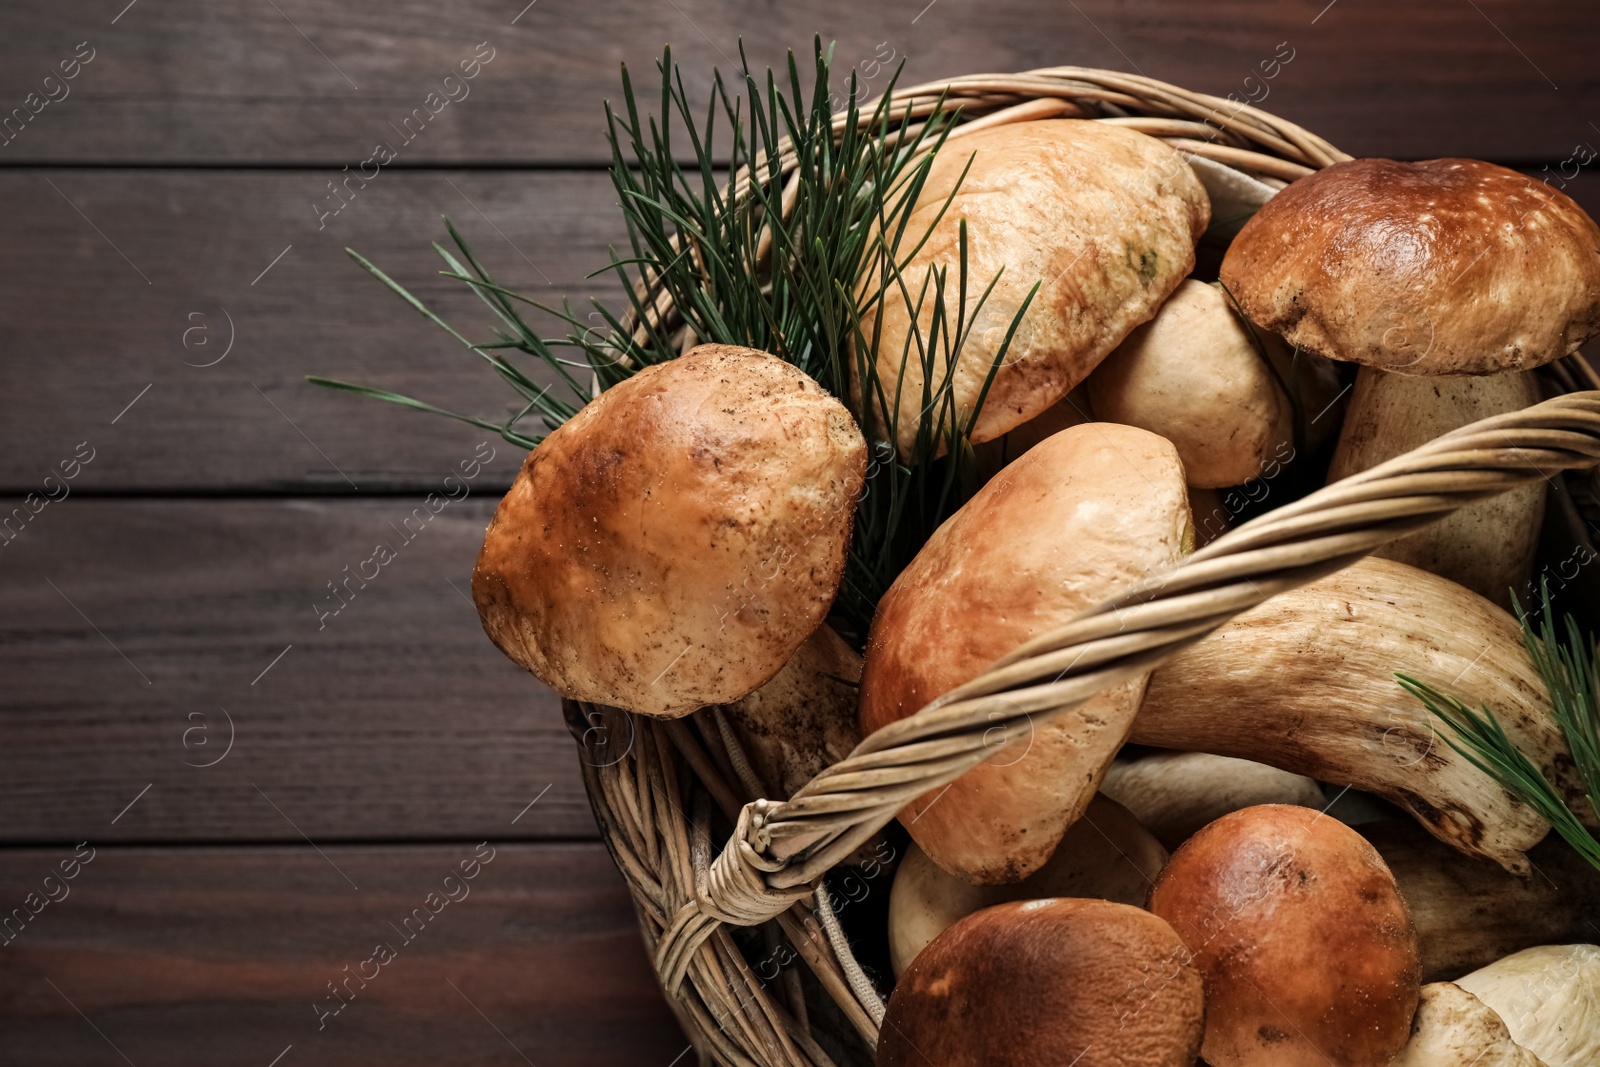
(1104, 218)
(1082, 982)
(1084, 514)
(1106, 855)
(1449, 266)
(1307, 949)
(674, 542)
(1193, 375)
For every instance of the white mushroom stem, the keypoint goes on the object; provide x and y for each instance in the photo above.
(1549, 997)
(1306, 682)
(1488, 546)
(1453, 1028)
(1173, 794)
(1106, 854)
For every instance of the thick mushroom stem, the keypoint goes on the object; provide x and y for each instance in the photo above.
(1549, 997)
(1453, 1028)
(1488, 546)
(1174, 794)
(1306, 682)
(1105, 855)
(1470, 913)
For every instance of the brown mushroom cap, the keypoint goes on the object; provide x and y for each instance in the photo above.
(1082, 982)
(1103, 218)
(1080, 516)
(1449, 266)
(1307, 949)
(674, 542)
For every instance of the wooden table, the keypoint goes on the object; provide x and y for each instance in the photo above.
(253, 791)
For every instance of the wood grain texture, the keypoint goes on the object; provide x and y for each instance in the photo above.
(79, 353)
(128, 626)
(217, 956)
(85, 332)
(298, 81)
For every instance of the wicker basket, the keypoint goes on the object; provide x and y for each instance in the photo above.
(753, 958)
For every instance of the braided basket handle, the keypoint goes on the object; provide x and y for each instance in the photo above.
(780, 848)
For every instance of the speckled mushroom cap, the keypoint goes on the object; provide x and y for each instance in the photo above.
(1449, 266)
(674, 543)
(1061, 981)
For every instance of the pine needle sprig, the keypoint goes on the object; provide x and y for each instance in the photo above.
(792, 257)
(1567, 664)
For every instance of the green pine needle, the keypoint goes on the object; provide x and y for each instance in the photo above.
(791, 265)
(1567, 665)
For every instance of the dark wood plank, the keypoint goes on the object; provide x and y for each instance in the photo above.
(85, 333)
(130, 626)
(219, 956)
(189, 81)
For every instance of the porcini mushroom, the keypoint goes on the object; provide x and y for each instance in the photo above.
(1087, 512)
(672, 544)
(1549, 997)
(1103, 218)
(1469, 912)
(1448, 266)
(804, 719)
(1453, 1028)
(1306, 682)
(1173, 794)
(1487, 546)
(1192, 374)
(1301, 935)
(1059, 981)
(1105, 855)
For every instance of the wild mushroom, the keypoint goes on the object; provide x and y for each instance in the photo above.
(804, 719)
(1306, 682)
(1103, 218)
(1549, 997)
(1060, 981)
(1470, 913)
(1488, 546)
(1105, 855)
(1301, 935)
(1453, 1028)
(1192, 374)
(1087, 512)
(1447, 267)
(674, 542)
(1174, 794)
